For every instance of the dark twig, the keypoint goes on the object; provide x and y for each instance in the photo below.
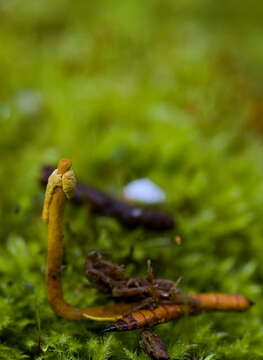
(153, 346)
(107, 205)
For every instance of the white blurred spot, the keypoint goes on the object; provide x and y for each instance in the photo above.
(144, 190)
(29, 102)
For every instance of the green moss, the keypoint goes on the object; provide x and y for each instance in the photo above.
(131, 89)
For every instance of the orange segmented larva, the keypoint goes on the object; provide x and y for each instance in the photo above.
(164, 313)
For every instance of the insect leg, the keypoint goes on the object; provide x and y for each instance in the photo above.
(128, 292)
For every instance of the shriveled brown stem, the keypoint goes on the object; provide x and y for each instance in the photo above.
(53, 213)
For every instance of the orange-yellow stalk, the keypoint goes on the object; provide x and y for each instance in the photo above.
(60, 187)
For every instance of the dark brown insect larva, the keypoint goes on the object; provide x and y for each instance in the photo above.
(168, 312)
(107, 205)
(151, 292)
(153, 346)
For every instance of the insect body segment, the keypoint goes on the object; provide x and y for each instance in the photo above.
(148, 317)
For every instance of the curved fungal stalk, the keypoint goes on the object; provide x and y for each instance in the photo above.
(61, 185)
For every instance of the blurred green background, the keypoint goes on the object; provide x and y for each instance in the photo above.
(168, 90)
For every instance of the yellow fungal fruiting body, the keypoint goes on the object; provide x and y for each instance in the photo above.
(61, 186)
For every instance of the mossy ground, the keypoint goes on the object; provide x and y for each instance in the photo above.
(163, 89)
